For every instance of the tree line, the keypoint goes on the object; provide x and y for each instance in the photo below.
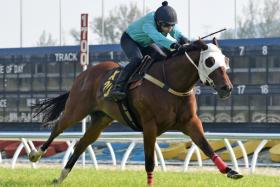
(258, 20)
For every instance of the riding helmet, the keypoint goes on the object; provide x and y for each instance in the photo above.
(166, 14)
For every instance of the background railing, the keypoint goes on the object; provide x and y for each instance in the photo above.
(134, 138)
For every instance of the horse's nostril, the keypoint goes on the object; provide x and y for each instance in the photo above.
(226, 88)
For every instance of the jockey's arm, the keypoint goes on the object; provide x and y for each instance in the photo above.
(179, 36)
(156, 36)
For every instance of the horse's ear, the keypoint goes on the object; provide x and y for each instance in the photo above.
(201, 44)
(215, 41)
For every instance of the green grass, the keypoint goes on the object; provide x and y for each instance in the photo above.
(93, 178)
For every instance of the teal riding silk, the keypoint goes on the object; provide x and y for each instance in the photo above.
(144, 32)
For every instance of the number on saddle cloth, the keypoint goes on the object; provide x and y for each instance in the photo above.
(108, 84)
(137, 75)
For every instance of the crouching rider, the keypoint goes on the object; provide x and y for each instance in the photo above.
(150, 35)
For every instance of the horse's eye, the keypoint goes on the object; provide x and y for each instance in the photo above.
(209, 62)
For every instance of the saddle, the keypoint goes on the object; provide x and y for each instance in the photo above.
(133, 82)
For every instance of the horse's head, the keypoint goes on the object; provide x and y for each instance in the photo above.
(212, 68)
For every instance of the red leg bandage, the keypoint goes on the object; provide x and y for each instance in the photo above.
(150, 178)
(221, 165)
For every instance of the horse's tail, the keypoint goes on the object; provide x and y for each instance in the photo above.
(51, 108)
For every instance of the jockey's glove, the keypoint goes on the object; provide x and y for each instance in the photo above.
(178, 47)
(183, 40)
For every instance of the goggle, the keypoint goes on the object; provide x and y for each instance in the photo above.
(167, 25)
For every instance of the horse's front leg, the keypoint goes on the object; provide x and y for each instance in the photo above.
(150, 134)
(195, 130)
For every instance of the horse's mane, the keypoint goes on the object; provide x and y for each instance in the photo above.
(197, 45)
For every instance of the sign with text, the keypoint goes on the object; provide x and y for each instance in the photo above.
(84, 40)
(66, 57)
(12, 68)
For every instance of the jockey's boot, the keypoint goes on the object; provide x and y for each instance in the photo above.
(118, 91)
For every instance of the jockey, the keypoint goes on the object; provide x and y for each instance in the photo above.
(146, 36)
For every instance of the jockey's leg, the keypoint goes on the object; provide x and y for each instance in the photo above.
(134, 54)
(118, 92)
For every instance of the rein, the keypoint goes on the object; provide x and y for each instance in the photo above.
(174, 92)
(163, 72)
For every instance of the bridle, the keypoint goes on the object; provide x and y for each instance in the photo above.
(203, 56)
(204, 77)
(208, 79)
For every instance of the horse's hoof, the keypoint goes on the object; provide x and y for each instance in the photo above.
(34, 156)
(55, 181)
(234, 175)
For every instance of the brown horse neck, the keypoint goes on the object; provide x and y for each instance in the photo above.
(180, 73)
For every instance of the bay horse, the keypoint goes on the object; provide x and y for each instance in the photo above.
(157, 110)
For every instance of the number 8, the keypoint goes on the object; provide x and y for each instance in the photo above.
(264, 50)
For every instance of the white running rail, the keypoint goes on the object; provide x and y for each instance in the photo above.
(136, 137)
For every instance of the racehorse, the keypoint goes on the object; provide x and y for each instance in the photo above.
(157, 110)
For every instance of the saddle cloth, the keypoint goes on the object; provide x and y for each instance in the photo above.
(134, 81)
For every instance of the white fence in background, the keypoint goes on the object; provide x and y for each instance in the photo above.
(136, 137)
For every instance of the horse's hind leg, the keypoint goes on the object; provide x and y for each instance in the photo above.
(195, 130)
(59, 127)
(73, 113)
(99, 121)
